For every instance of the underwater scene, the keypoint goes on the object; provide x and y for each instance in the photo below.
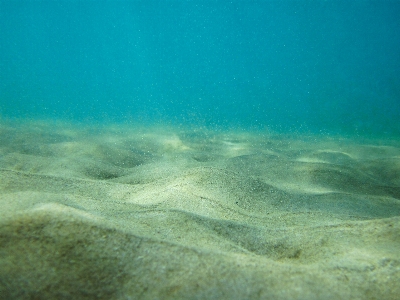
(184, 149)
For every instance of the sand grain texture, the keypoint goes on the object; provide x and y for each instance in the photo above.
(171, 213)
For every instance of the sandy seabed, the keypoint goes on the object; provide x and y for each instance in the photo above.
(134, 212)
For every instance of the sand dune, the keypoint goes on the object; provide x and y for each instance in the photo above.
(129, 212)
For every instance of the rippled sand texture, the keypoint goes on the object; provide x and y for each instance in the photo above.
(170, 213)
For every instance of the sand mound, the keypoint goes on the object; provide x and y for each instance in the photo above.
(150, 213)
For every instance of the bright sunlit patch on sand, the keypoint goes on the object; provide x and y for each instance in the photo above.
(173, 143)
(69, 147)
(310, 160)
(303, 188)
(57, 208)
(235, 149)
(326, 156)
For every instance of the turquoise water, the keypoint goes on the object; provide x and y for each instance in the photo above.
(315, 66)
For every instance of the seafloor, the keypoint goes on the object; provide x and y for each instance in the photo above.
(164, 212)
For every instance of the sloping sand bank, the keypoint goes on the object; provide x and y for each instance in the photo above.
(172, 213)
